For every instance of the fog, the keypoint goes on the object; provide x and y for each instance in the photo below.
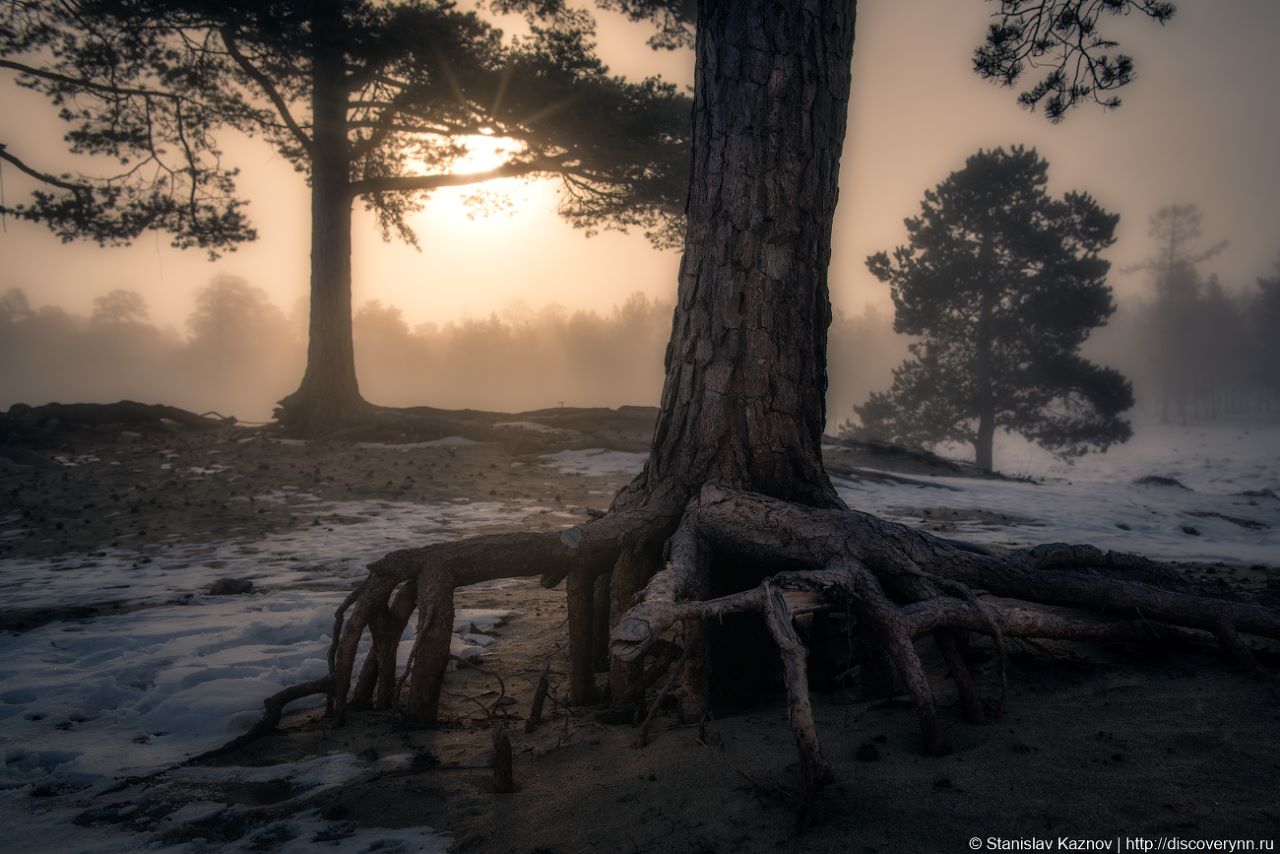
(238, 353)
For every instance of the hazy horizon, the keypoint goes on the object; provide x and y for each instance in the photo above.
(1196, 126)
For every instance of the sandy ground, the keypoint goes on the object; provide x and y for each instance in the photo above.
(1096, 743)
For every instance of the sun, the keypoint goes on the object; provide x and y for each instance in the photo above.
(474, 202)
(484, 152)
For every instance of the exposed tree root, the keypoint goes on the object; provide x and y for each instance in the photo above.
(902, 583)
(423, 580)
(273, 711)
(896, 583)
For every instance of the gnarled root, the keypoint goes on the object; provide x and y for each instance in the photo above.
(423, 580)
(901, 584)
(895, 584)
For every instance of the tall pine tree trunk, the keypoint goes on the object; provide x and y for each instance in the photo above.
(983, 370)
(984, 444)
(744, 403)
(329, 395)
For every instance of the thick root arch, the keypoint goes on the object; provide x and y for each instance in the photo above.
(422, 581)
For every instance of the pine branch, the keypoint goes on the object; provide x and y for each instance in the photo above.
(84, 83)
(268, 88)
(426, 183)
(43, 177)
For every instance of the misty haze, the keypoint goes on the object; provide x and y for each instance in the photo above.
(641, 425)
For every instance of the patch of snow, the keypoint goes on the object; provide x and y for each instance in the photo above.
(309, 827)
(333, 549)
(217, 468)
(136, 692)
(141, 815)
(532, 426)
(479, 619)
(311, 775)
(596, 461)
(1213, 458)
(446, 442)
(1096, 500)
(470, 626)
(77, 460)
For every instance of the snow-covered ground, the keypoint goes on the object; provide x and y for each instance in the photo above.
(1211, 458)
(596, 461)
(342, 538)
(83, 703)
(1228, 510)
(185, 810)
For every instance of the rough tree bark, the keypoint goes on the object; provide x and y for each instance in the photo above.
(744, 399)
(734, 513)
(745, 395)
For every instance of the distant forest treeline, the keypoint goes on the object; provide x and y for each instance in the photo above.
(1217, 353)
(239, 354)
(1197, 350)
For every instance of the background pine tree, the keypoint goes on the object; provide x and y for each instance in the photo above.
(1002, 284)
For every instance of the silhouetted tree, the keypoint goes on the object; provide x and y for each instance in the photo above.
(230, 313)
(1001, 283)
(1174, 321)
(1264, 312)
(119, 306)
(238, 339)
(376, 101)
(117, 84)
(14, 306)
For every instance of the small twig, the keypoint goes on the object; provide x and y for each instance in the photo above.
(404, 677)
(775, 788)
(503, 777)
(539, 697)
(502, 686)
(643, 738)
